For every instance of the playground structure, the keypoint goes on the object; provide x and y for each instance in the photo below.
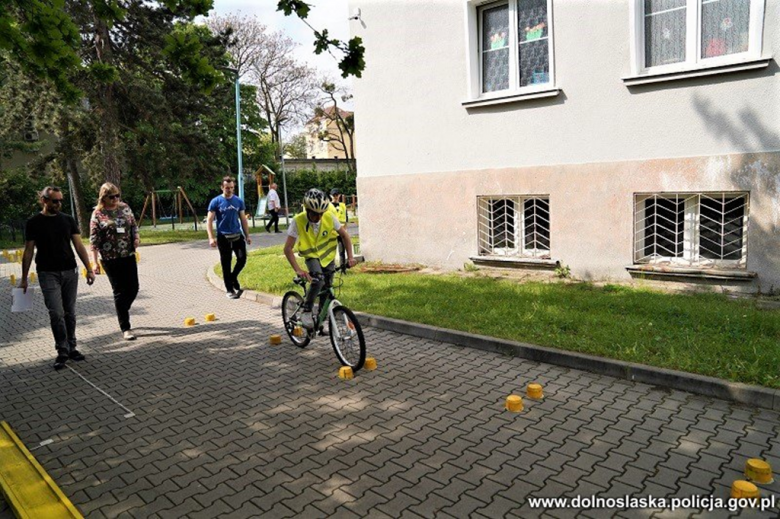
(262, 192)
(153, 201)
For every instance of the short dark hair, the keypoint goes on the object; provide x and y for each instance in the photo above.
(228, 179)
(46, 191)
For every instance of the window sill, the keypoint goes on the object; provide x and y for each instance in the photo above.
(516, 262)
(691, 273)
(644, 79)
(513, 98)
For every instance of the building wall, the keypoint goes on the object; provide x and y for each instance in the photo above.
(590, 148)
(320, 149)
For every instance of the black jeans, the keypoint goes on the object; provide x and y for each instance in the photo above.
(226, 250)
(273, 221)
(59, 294)
(320, 278)
(123, 275)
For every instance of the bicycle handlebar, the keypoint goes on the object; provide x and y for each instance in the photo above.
(342, 268)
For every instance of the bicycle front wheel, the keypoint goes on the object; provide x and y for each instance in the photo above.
(292, 305)
(347, 338)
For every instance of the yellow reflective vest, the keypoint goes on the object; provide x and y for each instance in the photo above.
(341, 213)
(323, 245)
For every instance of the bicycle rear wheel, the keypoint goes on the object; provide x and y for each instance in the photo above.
(291, 315)
(347, 338)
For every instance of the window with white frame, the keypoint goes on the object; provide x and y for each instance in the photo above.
(683, 34)
(691, 229)
(514, 226)
(512, 43)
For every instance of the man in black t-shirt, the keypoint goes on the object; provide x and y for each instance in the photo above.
(52, 233)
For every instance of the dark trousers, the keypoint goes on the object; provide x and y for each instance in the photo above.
(123, 275)
(273, 221)
(59, 294)
(320, 278)
(226, 250)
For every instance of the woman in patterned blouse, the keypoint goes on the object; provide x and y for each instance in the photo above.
(113, 232)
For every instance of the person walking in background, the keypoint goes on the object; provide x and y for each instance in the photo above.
(230, 213)
(274, 206)
(52, 233)
(339, 208)
(113, 232)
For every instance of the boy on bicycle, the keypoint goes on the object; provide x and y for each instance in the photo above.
(316, 230)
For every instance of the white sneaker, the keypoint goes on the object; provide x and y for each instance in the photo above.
(129, 335)
(307, 320)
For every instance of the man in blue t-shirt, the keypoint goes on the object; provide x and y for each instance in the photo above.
(232, 234)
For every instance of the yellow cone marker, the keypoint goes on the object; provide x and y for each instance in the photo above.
(534, 391)
(13, 280)
(370, 364)
(346, 373)
(298, 331)
(275, 340)
(189, 321)
(211, 317)
(514, 403)
(32, 277)
(740, 489)
(759, 471)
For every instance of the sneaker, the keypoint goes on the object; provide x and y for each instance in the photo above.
(128, 335)
(307, 320)
(60, 361)
(238, 289)
(76, 355)
(231, 295)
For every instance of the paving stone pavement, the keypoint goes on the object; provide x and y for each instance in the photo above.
(226, 425)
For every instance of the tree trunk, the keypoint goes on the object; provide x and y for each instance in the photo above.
(108, 135)
(74, 180)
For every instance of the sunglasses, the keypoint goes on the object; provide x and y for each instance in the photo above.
(53, 200)
(113, 197)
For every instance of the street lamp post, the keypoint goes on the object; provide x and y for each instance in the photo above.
(238, 134)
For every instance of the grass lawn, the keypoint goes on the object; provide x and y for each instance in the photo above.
(706, 334)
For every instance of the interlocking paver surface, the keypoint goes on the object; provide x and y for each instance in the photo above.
(227, 425)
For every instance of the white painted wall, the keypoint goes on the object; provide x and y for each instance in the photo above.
(412, 121)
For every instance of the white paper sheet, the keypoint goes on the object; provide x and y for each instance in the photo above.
(22, 302)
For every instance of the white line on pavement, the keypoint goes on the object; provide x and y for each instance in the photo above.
(129, 414)
(44, 443)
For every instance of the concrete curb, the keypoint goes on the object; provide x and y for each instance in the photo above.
(747, 394)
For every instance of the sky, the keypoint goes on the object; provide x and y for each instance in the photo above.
(324, 14)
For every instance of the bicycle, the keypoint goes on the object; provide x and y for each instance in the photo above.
(345, 332)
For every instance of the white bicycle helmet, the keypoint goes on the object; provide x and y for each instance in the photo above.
(315, 200)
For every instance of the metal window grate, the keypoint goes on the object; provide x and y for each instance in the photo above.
(691, 229)
(514, 226)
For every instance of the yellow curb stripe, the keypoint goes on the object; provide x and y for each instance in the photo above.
(30, 491)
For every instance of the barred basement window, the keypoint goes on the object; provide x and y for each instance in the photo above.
(691, 229)
(514, 226)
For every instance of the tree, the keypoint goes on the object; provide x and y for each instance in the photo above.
(286, 88)
(339, 127)
(245, 38)
(295, 147)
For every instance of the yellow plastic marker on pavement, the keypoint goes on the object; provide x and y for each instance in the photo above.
(370, 364)
(758, 471)
(345, 373)
(740, 489)
(27, 488)
(514, 403)
(211, 317)
(13, 280)
(32, 277)
(534, 391)
(275, 340)
(189, 321)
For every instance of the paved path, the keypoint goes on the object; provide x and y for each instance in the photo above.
(227, 425)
